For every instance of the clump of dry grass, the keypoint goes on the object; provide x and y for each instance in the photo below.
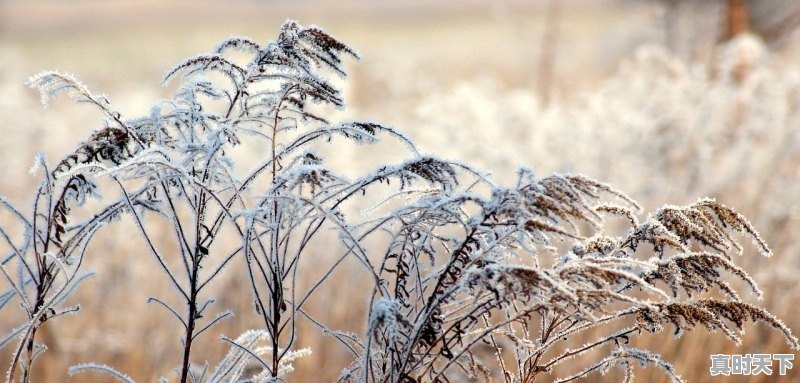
(468, 279)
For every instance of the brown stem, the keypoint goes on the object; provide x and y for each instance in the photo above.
(736, 18)
(197, 257)
(26, 373)
(190, 324)
(29, 343)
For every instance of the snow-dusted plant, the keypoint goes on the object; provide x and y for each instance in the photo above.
(468, 279)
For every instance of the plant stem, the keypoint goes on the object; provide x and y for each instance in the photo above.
(190, 323)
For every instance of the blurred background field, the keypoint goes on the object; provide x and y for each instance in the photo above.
(649, 96)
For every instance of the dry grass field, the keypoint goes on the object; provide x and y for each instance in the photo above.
(464, 83)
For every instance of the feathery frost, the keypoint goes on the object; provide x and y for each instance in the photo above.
(466, 280)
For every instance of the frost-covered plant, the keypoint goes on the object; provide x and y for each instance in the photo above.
(43, 267)
(693, 127)
(468, 279)
(504, 283)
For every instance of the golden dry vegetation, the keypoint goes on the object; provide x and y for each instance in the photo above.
(462, 81)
